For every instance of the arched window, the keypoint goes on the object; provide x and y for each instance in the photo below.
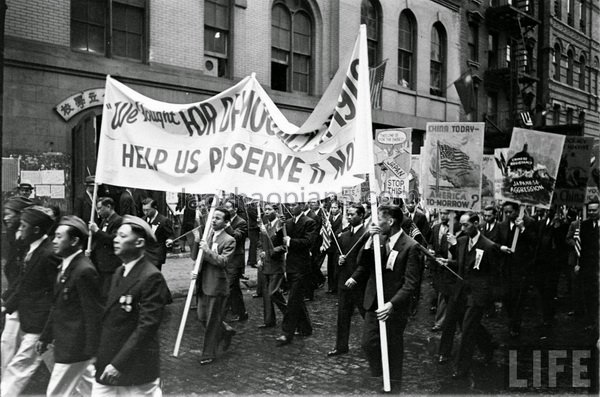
(438, 60)
(582, 72)
(570, 67)
(291, 46)
(556, 62)
(370, 15)
(407, 33)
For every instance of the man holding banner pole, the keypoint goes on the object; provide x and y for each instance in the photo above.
(400, 269)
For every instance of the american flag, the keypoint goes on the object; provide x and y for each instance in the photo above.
(376, 83)
(326, 232)
(452, 158)
(577, 239)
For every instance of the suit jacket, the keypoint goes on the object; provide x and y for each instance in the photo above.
(302, 236)
(483, 284)
(493, 234)
(127, 204)
(399, 283)
(318, 239)
(421, 221)
(271, 243)
(212, 275)
(336, 227)
(103, 253)
(348, 240)
(519, 263)
(76, 317)
(164, 231)
(443, 280)
(129, 337)
(589, 249)
(33, 294)
(238, 229)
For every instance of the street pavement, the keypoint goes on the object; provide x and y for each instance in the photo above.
(254, 365)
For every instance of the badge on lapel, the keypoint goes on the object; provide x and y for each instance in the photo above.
(125, 301)
(478, 257)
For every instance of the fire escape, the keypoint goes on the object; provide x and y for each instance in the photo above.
(512, 71)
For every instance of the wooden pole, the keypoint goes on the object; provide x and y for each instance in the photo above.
(188, 301)
(88, 251)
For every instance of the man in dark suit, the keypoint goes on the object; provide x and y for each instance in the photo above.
(127, 204)
(163, 231)
(351, 296)
(301, 232)
(476, 258)
(517, 265)
(103, 254)
(401, 267)
(238, 229)
(129, 350)
(75, 320)
(490, 228)
(443, 281)
(213, 286)
(271, 264)
(586, 267)
(31, 297)
(419, 218)
(335, 220)
(83, 204)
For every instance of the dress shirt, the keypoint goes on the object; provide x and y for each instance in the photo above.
(473, 241)
(67, 261)
(33, 246)
(130, 265)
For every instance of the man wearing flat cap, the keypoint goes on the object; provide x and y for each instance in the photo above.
(25, 189)
(32, 297)
(74, 322)
(13, 253)
(83, 204)
(128, 361)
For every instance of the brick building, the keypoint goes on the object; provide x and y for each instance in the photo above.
(57, 54)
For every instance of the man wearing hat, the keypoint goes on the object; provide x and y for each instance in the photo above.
(83, 204)
(25, 189)
(103, 254)
(128, 361)
(75, 320)
(32, 297)
(13, 253)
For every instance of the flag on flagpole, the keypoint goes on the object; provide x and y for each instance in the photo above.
(325, 232)
(345, 223)
(466, 91)
(376, 82)
(577, 240)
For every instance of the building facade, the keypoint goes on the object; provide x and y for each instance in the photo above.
(58, 53)
(569, 65)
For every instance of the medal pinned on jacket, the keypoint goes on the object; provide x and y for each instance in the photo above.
(125, 301)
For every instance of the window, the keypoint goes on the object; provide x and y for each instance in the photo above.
(492, 50)
(291, 46)
(569, 115)
(473, 42)
(556, 62)
(556, 115)
(582, 72)
(406, 49)
(529, 61)
(438, 60)
(570, 67)
(582, 11)
(581, 117)
(91, 22)
(216, 37)
(594, 83)
(492, 107)
(558, 9)
(570, 12)
(370, 15)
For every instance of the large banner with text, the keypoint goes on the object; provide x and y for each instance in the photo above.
(239, 141)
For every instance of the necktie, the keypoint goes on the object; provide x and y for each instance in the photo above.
(488, 227)
(470, 244)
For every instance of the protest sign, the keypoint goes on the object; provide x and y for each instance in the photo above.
(238, 141)
(592, 191)
(531, 167)
(487, 180)
(573, 170)
(453, 154)
(392, 161)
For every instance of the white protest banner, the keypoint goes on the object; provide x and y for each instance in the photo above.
(487, 181)
(238, 141)
(531, 167)
(454, 154)
(392, 154)
(573, 170)
(592, 191)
